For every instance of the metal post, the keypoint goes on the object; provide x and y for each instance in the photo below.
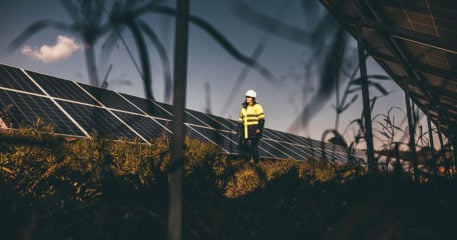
(455, 158)
(179, 102)
(412, 144)
(398, 168)
(432, 144)
(372, 168)
(443, 151)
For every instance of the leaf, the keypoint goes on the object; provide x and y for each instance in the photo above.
(163, 57)
(219, 38)
(144, 58)
(354, 98)
(398, 128)
(38, 26)
(379, 77)
(354, 90)
(373, 101)
(382, 125)
(379, 87)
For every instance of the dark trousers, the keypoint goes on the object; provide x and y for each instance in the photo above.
(249, 148)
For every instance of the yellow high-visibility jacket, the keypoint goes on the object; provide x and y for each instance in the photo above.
(251, 118)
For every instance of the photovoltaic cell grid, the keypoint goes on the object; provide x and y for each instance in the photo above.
(13, 78)
(77, 109)
(148, 107)
(25, 110)
(60, 88)
(110, 99)
(147, 127)
(93, 118)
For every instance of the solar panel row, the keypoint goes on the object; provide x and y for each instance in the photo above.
(76, 109)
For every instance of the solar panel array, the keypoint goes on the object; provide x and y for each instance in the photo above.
(79, 110)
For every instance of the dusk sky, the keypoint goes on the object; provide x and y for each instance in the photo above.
(60, 54)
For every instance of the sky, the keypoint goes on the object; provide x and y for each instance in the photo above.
(61, 54)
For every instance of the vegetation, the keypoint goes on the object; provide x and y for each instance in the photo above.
(57, 188)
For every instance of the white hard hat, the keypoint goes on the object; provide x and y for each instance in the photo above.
(251, 93)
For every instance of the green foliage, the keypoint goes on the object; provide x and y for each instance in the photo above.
(203, 157)
(37, 159)
(278, 168)
(96, 185)
(243, 182)
(317, 171)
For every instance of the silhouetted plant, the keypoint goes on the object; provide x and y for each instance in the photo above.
(388, 133)
(352, 88)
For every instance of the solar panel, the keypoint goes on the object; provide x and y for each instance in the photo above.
(189, 117)
(110, 99)
(291, 151)
(14, 78)
(230, 124)
(77, 109)
(167, 107)
(413, 40)
(296, 139)
(25, 109)
(270, 134)
(194, 134)
(207, 120)
(233, 138)
(283, 137)
(167, 124)
(97, 119)
(273, 148)
(60, 88)
(301, 150)
(148, 107)
(143, 125)
(214, 137)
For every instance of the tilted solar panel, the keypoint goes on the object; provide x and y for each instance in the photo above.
(283, 137)
(273, 148)
(301, 150)
(189, 117)
(270, 134)
(233, 138)
(61, 88)
(292, 151)
(264, 153)
(98, 119)
(148, 107)
(194, 134)
(230, 124)
(167, 107)
(14, 78)
(166, 124)
(224, 139)
(110, 99)
(206, 119)
(143, 125)
(297, 139)
(25, 109)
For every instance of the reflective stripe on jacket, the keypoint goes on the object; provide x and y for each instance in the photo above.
(250, 116)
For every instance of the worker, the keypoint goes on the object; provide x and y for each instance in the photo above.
(250, 127)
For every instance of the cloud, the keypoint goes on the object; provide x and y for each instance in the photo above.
(63, 49)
